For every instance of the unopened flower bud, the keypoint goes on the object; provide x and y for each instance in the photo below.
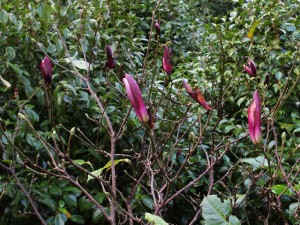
(157, 28)
(46, 67)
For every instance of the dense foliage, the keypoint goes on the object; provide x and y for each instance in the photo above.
(74, 151)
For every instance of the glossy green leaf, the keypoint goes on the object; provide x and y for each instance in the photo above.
(107, 166)
(147, 201)
(281, 189)
(32, 115)
(156, 220)
(3, 16)
(60, 219)
(77, 219)
(80, 64)
(82, 162)
(55, 190)
(70, 200)
(215, 212)
(10, 53)
(256, 163)
(5, 82)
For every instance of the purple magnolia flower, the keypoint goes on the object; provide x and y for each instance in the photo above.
(135, 97)
(254, 111)
(157, 28)
(46, 67)
(111, 62)
(251, 68)
(167, 57)
(196, 95)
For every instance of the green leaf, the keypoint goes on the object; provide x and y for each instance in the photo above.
(80, 64)
(77, 219)
(61, 204)
(13, 18)
(5, 82)
(10, 53)
(55, 190)
(282, 189)
(70, 200)
(253, 27)
(3, 16)
(32, 115)
(278, 75)
(70, 87)
(74, 190)
(97, 215)
(48, 202)
(82, 162)
(67, 33)
(65, 212)
(215, 212)
(60, 219)
(100, 197)
(19, 25)
(233, 220)
(296, 130)
(147, 201)
(257, 163)
(107, 166)
(297, 187)
(156, 220)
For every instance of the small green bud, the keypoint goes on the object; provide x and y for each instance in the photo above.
(72, 131)
(283, 136)
(21, 116)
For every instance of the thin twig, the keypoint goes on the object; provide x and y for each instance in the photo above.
(12, 172)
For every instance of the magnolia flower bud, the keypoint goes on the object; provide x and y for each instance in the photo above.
(111, 62)
(167, 58)
(254, 113)
(157, 28)
(196, 95)
(250, 68)
(46, 67)
(135, 97)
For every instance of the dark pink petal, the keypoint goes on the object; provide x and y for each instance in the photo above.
(167, 57)
(251, 110)
(254, 120)
(252, 67)
(46, 67)
(129, 93)
(257, 115)
(188, 89)
(248, 70)
(111, 62)
(135, 97)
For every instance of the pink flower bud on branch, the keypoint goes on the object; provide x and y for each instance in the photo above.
(46, 67)
(196, 95)
(135, 97)
(167, 58)
(254, 113)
